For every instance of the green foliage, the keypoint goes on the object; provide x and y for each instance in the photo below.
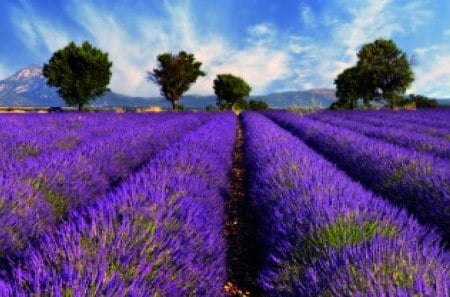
(345, 231)
(348, 88)
(420, 101)
(56, 200)
(212, 108)
(81, 73)
(241, 104)
(257, 105)
(382, 69)
(230, 91)
(175, 75)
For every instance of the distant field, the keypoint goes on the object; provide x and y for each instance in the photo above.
(206, 204)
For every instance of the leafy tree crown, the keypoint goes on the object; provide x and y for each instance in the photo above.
(382, 68)
(81, 73)
(230, 89)
(175, 74)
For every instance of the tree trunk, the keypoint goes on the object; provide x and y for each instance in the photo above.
(175, 105)
(392, 100)
(80, 106)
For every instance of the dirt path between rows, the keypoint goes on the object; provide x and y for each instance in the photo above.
(235, 229)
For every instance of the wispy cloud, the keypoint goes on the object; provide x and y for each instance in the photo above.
(36, 32)
(307, 16)
(447, 32)
(433, 71)
(265, 55)
(133, 54)
(259, 30)
(373, 19)
(320, 60)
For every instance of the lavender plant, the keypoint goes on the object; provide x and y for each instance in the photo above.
(308, 215)
(66, 180)
(158, 234)
(386, 120)
(417, 182)
(395, 135)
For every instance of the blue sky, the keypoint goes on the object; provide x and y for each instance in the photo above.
(275, 45)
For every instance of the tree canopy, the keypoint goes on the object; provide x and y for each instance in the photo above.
(421, 101)
(81, 73)
(230, 90)
(175, 75)
(382, 70)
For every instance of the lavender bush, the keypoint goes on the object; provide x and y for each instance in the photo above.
(415, 181)
(386, 120)
(41, 191)
(159, 234)
(397, 135)
(310, 215)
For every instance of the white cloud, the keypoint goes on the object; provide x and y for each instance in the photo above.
(263, 29)
(307, 16)
(321, 59)
(433, 71)
(263, 57)
(370, 21)
(37, 33)
(134, 54)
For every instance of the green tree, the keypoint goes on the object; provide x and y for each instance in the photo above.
(381, 70)
(387, 67)
(175, 75)
(421, 101)
(257, 105)
(230, 90)
(81, 73)
(348, 88)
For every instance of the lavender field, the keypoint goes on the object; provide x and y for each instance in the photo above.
(268, 203)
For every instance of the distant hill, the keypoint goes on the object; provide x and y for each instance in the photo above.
(444, 102)
(28, 87)
(309, 98)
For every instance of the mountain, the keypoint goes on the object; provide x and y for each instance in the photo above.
(444, 102)
(309, 98)
(28, 87)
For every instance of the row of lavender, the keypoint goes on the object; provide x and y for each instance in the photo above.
(416, 181)
(404, 134)
(401, 120)
(318, 233)
(159, 234)
(37, 193)
(434, 118)
(25, 136)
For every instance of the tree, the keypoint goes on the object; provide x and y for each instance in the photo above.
(387, 67)
(257, 105)
(230, 90)
(175, 74)
(348, 88)
(421, 101)
(81, 73)
(381, 70)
